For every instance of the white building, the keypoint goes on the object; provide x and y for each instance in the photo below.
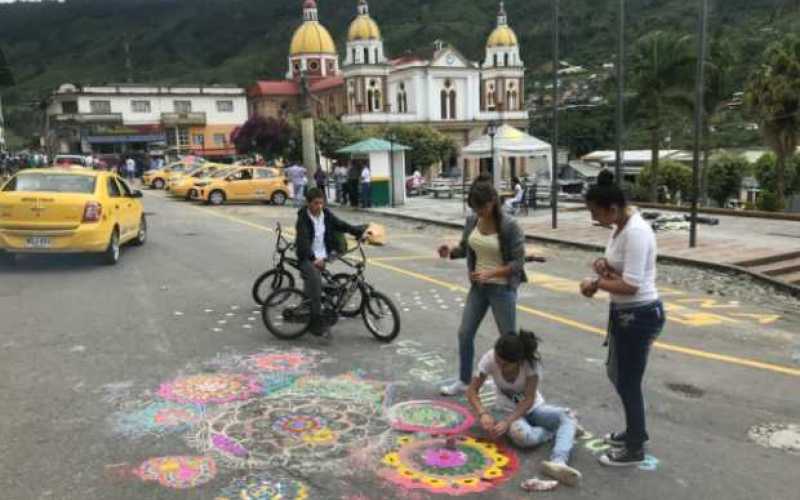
(125, 118)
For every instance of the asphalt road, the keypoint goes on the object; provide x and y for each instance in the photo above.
(102, 371)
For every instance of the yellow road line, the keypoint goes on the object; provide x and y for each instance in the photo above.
(697, 353)
(408, 257)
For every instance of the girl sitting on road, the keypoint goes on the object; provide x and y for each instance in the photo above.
(514, 367)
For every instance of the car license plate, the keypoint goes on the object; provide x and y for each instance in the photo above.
(38, 242)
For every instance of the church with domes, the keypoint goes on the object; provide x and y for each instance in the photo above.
(441, 88)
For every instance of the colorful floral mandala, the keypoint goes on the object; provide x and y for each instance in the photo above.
(178, 472)
(211, 388)
(470, 466)
(287, 431)
(260, 487)
(287, 362)
(158, 418)
(342, 387)
(431, 417)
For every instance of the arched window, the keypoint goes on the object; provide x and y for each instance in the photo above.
(378, 105)
(490, 97)
(444, 104)
(366, 55)
(495, 60)
(376, 60)
(351, 96)
(373, 97)
(402, 99)
(452, 104)
(505, 60)
(448, 98)
(354, 56)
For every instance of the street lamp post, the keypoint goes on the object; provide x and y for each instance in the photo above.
(491, 129)
(554, 174)
(391, 170)
(620, 93)
(699, 110)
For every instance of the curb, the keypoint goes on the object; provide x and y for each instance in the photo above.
(781, 286)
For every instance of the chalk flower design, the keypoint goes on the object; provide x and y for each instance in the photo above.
(178, 472)
(157, 418)
(212, 388)
(431, 417)
(264, 487)
(287, 432)
(470, 466)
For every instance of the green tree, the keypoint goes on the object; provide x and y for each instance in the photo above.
(766, 172)
(725, 178)
(333, 135)
(6, 77)
(661, 69)
(676, 177)
(428, 146)
(772, 97)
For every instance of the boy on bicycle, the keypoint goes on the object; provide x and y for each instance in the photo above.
(316, 240)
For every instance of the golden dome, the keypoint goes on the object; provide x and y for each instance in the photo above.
(363, 27)
(312, 38)
(502, 36)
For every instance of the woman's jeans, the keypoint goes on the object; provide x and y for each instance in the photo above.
(366, 195)
(631, 332)
(544, 424)
(503, 301)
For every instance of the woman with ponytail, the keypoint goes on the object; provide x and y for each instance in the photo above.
(628, 273)
(514, 365)
(494, 246)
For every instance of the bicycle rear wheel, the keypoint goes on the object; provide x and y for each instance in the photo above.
(287, 313)
(381, 317)
(269, 282)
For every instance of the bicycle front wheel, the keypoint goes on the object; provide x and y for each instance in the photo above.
(381, 317)
(353, 298)
(269, 282)
(287, 313)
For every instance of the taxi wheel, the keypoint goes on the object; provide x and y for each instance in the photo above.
(111, 255)
(158, 184)
(216, 197)
(141, 236)
(278, 198)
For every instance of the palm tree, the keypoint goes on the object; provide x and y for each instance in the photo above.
(772, 96)
(6, 78)
(661, 78)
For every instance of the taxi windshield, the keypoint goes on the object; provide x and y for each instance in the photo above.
(51, 183)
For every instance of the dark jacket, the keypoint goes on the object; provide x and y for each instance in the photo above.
(512, 247)
(304, 239)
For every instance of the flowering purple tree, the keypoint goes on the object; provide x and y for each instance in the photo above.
(269, 137)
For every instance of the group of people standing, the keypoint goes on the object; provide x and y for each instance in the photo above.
(353, 184)
(494, 246)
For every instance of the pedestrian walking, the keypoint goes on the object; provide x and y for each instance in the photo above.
(321, 180)
(494, 246)
(366, 187)
(340, 178)
(628, 273)
(130, 169)
(514, 365)
(297, 176)
(353, 176)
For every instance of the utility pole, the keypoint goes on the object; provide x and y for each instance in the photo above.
(554, 172)
(699, 112)
(620, 93)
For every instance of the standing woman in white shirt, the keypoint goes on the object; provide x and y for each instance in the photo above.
(628, 273)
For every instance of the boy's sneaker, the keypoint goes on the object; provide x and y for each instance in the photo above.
(616, 439)
(454, 389)
(562, 472)
(622, 457)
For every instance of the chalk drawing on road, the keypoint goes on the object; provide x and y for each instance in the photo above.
(348, 387)
(179, 472)
(264, 487)
(157, 418)
(469, 466)
(275, 360)
(296, 433)
(781, 436)
(431, 417)
(210, 388)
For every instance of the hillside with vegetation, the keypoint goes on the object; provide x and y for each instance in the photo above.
(239, 41)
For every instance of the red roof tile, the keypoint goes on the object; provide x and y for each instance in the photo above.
(274, 87)
(327, 83)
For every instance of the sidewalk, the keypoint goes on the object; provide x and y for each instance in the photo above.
(761, 247)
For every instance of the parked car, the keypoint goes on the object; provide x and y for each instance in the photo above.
(181, 185)
(70, 211)
(243, 184)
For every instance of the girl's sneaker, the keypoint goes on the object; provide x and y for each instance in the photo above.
(454, 389)
(562, 472)
(622, 457)
(615, 439)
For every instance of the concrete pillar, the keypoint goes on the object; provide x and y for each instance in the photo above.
(309, 148)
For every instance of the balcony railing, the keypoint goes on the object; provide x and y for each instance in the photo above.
(177, 119)
(89, 117)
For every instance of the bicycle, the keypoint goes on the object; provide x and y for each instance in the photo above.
(279, 277)
(287, 311)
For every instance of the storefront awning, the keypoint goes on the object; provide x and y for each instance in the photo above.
(126, 139)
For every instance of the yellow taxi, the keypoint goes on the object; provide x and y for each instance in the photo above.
(243, 184)
(69, 211)
(159, 179)
(179, 185)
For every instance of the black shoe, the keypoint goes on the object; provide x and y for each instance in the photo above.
(622, 457)
(616, 439)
